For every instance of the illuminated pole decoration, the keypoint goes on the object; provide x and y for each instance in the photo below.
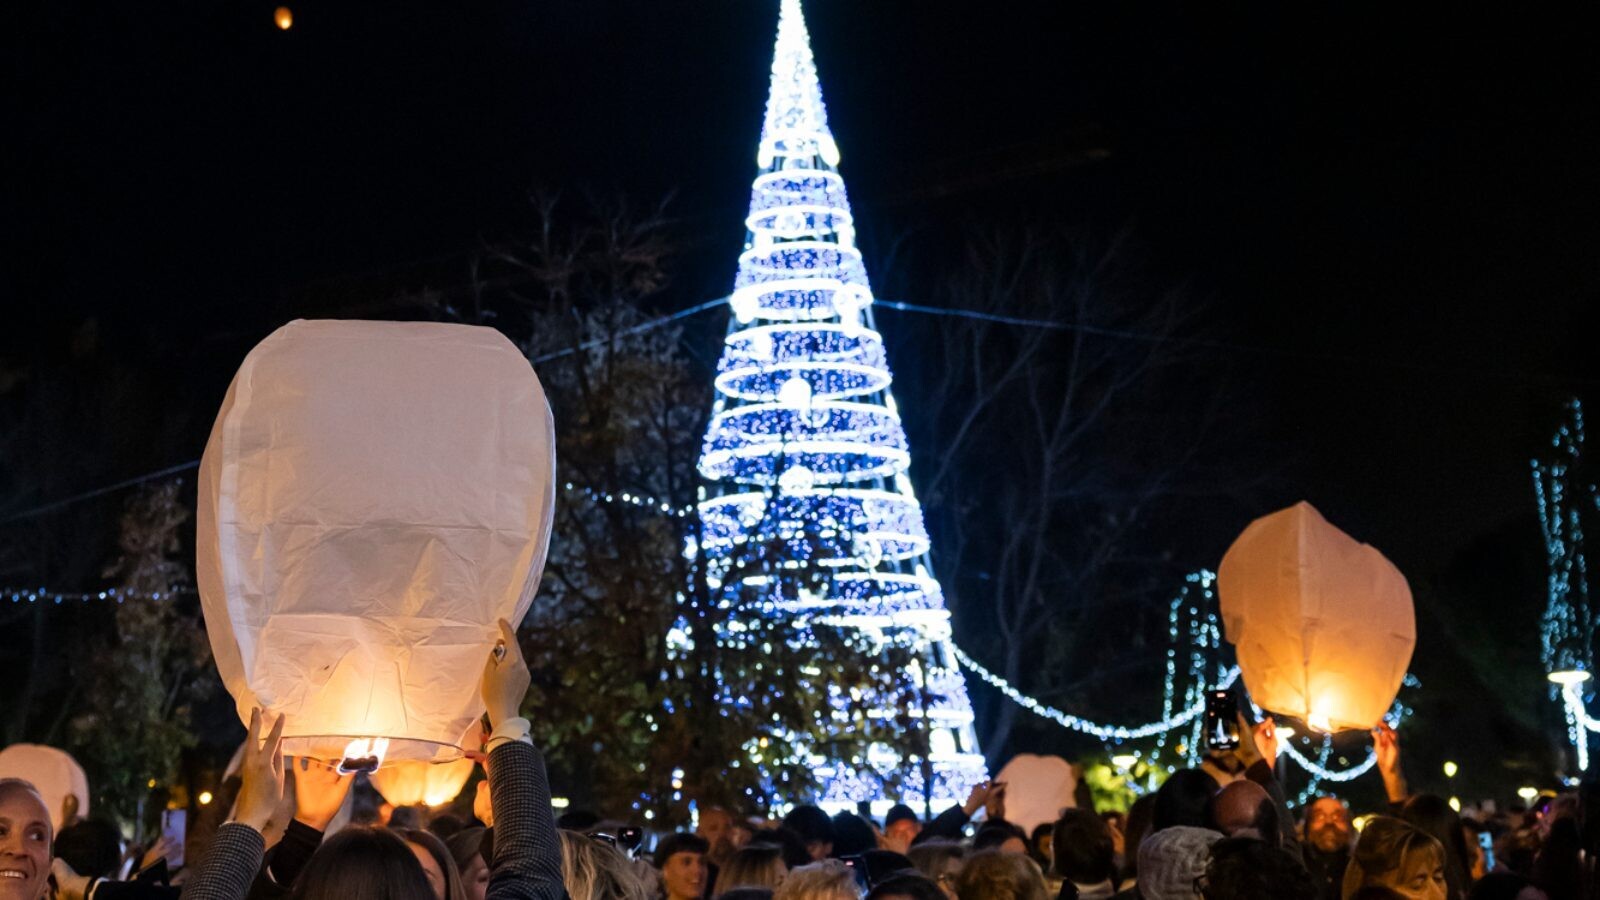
(1567, 500)
(805, 451)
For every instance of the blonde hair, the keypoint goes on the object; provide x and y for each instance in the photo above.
(992, 875)
(1382, 850)
(826, 880)
(593, 871)
(756, 866)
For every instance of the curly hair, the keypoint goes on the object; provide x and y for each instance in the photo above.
(1243, 868)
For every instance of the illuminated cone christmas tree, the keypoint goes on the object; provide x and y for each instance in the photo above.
(810, 511)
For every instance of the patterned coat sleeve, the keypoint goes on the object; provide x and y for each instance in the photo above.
(230, 865)
(527, 851)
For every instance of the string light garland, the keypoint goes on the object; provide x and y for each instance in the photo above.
(50, 595)
(1076, 723)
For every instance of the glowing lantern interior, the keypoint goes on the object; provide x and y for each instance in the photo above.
(411, 783)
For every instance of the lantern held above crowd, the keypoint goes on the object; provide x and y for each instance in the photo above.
(1322, 624)
(55, 774)
(373, 498)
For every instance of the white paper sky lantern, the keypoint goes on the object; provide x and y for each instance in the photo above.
(373, 498)
(1322, 624)
(54, 773)
(1038, 788)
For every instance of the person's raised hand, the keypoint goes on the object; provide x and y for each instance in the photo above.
(994, 806)
(319, 792)
(69, 884)
(261, 775)
(165, 848)
(1386, 744)
(1386, 747)
(505, 677)
(482, 805)
(1264, 740)
(976, 798)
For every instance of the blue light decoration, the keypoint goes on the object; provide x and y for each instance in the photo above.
(1566, 501)
(805, 456)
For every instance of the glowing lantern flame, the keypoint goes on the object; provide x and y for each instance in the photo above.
(363, 755)
(283, 17)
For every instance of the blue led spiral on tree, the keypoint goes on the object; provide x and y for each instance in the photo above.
(805, 453)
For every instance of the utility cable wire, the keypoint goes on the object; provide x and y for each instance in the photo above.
(952, 312)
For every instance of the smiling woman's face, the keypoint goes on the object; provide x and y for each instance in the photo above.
(24, 844)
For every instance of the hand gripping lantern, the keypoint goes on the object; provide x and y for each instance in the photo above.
(373, 498)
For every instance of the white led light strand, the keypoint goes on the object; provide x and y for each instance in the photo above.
(49, 595)
(1067, 720)
(1566, 632)
(1578, 723)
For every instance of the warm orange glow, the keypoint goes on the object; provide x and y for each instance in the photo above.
(409, 782)
(284, 17)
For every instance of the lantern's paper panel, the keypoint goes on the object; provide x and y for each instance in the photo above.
(1322, 624)
(409, 783)
(54, 773)
(373, 498)
(1038, 788)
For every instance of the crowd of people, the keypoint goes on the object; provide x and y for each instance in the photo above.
(1222, 830)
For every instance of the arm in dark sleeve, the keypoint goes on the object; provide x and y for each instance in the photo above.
(106, 889)
(1082, 797)
(527, 852)
(1262, 774)
(285, 862)
(230, 865)
(947, 824)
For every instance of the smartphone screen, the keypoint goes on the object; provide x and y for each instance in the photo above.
(858, 868)
(1222, 721)
(1486, 841)
(174, 825)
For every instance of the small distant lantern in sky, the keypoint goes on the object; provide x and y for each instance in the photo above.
(1322, 624)
(284, 17)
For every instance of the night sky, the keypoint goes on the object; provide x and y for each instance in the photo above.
(1388, 218)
